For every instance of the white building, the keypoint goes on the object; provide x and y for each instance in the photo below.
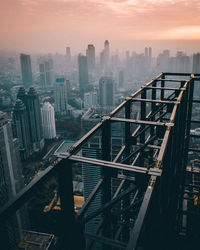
(90, 100)
(48, 121)
(61, 99)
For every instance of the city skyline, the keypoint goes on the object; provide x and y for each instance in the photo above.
(51, 26)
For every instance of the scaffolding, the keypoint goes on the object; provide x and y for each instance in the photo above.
(145, 211)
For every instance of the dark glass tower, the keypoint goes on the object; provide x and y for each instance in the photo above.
(22, 95)
(90, 53)
(46, 73)
(106, 91)
(26, 70)
(83, 73)
(35, 120)
(22, 130)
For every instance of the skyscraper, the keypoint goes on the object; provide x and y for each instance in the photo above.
(61, 93)
(35, 120)
(46, 73)
(90, 99)
(90, 53)
(106, 91)
(21, 125)
(105, 56)
(121, 78)
(83, 74)
(26, 70)
(68, 55)
(11, 181)
(196, 63)
(106, 52)
(48, 121)
(22, 95)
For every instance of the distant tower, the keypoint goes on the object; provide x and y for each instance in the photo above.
(106, 91)
(48, 121)
(35, 120)
(83, 74)
(21, 124)
(46, 73)
(90, 53)
(146, 54)
(196, 63)
(68, 55)
(26, 70)
(106, 52)
(61, 93)
(121, 78)
(90, 99)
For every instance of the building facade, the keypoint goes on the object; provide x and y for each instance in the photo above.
(106, 91)
(26, 70)
(46, 73)
(90, 53)
(22, 130)
(83, 74)
(61, 96)
(48, 121)
(35, 119)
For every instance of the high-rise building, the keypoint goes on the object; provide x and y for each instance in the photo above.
(11, 181)
(61, 93)
(121, 78)
(26, 70)
(22, 95)
(21, 125)
(46, 73)
(83, 74)
(68, 55)
(90, 99)
(90, 53)
(48, 121)
(196, 63)
(106, 91)
(106, 52)
(35, 120)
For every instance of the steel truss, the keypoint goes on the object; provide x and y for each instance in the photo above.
(150, 169)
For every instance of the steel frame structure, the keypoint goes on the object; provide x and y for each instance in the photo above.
(150, 168)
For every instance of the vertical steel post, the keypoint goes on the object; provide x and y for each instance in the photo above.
(107, 173)
(72, 235)
(162, 93)
(143, 117)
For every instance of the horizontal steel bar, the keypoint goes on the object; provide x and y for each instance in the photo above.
(196, 101)
(111, 164)
(172, 80)
(193, 170)
(165, 88)
(195, 121)
(194, 149)
(178, 74)
(156, 101)
(151, 123)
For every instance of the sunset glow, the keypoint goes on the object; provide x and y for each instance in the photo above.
(54, 23)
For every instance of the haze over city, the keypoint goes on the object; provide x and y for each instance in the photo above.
(49, 26)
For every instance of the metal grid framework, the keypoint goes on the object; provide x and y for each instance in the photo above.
(149, 169)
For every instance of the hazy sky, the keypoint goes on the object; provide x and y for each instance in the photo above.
(50, 25)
